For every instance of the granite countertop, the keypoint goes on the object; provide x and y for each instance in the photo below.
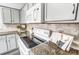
(52, 49)
(8, 31)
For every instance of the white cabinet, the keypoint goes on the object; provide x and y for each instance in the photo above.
(60, 11)
(3, 44)
(23, 14)
(10, 15)
(35, 14)
(31, 13)
(15, 15)
(6, 15)
(29, 5)
(29, 17)
(38, 13)
(11, 41)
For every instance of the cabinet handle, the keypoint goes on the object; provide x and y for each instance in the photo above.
(9, 43)
(37, 8)
(33, 14)
(73, 9)
(6, 44)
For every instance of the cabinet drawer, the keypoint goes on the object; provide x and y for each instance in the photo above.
(15, 15)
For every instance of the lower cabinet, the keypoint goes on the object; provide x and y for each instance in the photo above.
(8, 43)
(11, 41)
(3, 44)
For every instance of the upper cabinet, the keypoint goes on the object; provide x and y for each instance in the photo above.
(51, 12)
(35, 14)
(6, 15)
(29, 17)
(15, 15)
(60, 11)
(42, 13)
(26, 13)
(23, 14)
(10, 15)
(29, 5)
(11, 42)
(3, 44)
(38, 13)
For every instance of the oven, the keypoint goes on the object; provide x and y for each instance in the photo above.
(38, 36)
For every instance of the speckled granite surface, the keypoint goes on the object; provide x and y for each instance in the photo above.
(52, 49)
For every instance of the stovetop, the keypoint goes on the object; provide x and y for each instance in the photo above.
(28, 42)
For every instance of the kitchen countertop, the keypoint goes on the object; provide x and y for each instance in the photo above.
(52, 49)
(8, 31)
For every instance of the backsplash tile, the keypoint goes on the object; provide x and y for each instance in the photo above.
(72, 29)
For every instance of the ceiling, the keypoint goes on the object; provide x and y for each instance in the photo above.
(13, 5)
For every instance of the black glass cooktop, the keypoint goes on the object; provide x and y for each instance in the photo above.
(28, 43)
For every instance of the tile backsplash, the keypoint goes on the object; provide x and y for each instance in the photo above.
(72, 29)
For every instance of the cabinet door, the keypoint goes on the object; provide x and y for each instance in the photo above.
(29, 18)
(6, 15)
(23, 14)
(37, 13)
(60, 11)
(30, 5)
(15, 15)
(11, 41)
(3, 44)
